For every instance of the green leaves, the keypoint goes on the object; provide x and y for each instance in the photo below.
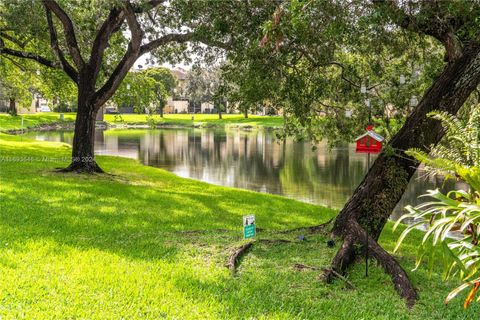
(453, 220)
(452, 223)
(139, 89)
(458, 154)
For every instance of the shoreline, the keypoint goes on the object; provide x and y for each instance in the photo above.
(70, 125)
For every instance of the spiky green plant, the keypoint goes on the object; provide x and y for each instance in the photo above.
(460, 146)
(452, 220)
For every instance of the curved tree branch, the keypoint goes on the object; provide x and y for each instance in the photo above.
(110, 25)
(129, 58)
(14, 40)
(66, 66)
(432, 23)
(27, 55)
(15, 63)
(172, 37)
(147, 6)
(69, 32)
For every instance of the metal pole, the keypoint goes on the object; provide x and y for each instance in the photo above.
(366, 228)
(370, 112)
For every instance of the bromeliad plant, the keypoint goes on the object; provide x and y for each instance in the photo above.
(452, 220)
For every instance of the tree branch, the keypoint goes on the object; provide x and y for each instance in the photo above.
(172, 37)
(18, 65)
(66, 66)
(69, 32)
(14, 40)
(131, 55)
(27, 55)
(110, 25)
(149, 5)
(433, 24)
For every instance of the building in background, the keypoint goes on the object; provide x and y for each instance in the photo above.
(178, 102)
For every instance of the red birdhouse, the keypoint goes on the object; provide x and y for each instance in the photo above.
(369, 142)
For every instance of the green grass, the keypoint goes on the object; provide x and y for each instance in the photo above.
(112, 247)
(8, 122)
(205, 120)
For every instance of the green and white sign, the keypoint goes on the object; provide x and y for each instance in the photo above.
(249, 227)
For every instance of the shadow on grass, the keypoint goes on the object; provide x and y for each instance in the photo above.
(137, 214)
(132, 218)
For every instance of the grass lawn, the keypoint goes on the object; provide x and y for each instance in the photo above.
(201, 119)
(115, 247)
(8, 122)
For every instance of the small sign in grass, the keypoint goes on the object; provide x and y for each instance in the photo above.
(249, 227)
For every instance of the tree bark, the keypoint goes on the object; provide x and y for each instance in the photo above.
(383, 186)
(377, 195)
(12, 109)
(245, 113)
(83, 153)
(347, 253)
(219, 114)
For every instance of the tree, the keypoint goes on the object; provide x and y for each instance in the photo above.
(205, 85)
(16, 85)
(383, 186)
(146, 90)
(249, 82)
(58, 88)
(98, 44)
(165, 83)
(137, 90)
(303, 44)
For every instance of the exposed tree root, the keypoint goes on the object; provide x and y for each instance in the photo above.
(301, 267)
(236, 255)
(337, 275)
(346, 256)
(82, 167)
(312, 229)
(234, 258)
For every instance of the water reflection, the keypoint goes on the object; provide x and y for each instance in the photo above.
(248, 160)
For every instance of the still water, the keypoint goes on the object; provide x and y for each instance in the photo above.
(249, 160)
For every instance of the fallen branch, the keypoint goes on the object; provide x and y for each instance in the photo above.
(236, 255)
(337, 275)
(301, 267)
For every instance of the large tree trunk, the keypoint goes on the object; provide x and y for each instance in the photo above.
(12, 108)
(377, 195)
(83, 156)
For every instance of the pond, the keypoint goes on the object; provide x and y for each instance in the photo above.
(249, 160)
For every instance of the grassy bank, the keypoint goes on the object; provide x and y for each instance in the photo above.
(115, 246)
(8, 122)
(207, 120)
